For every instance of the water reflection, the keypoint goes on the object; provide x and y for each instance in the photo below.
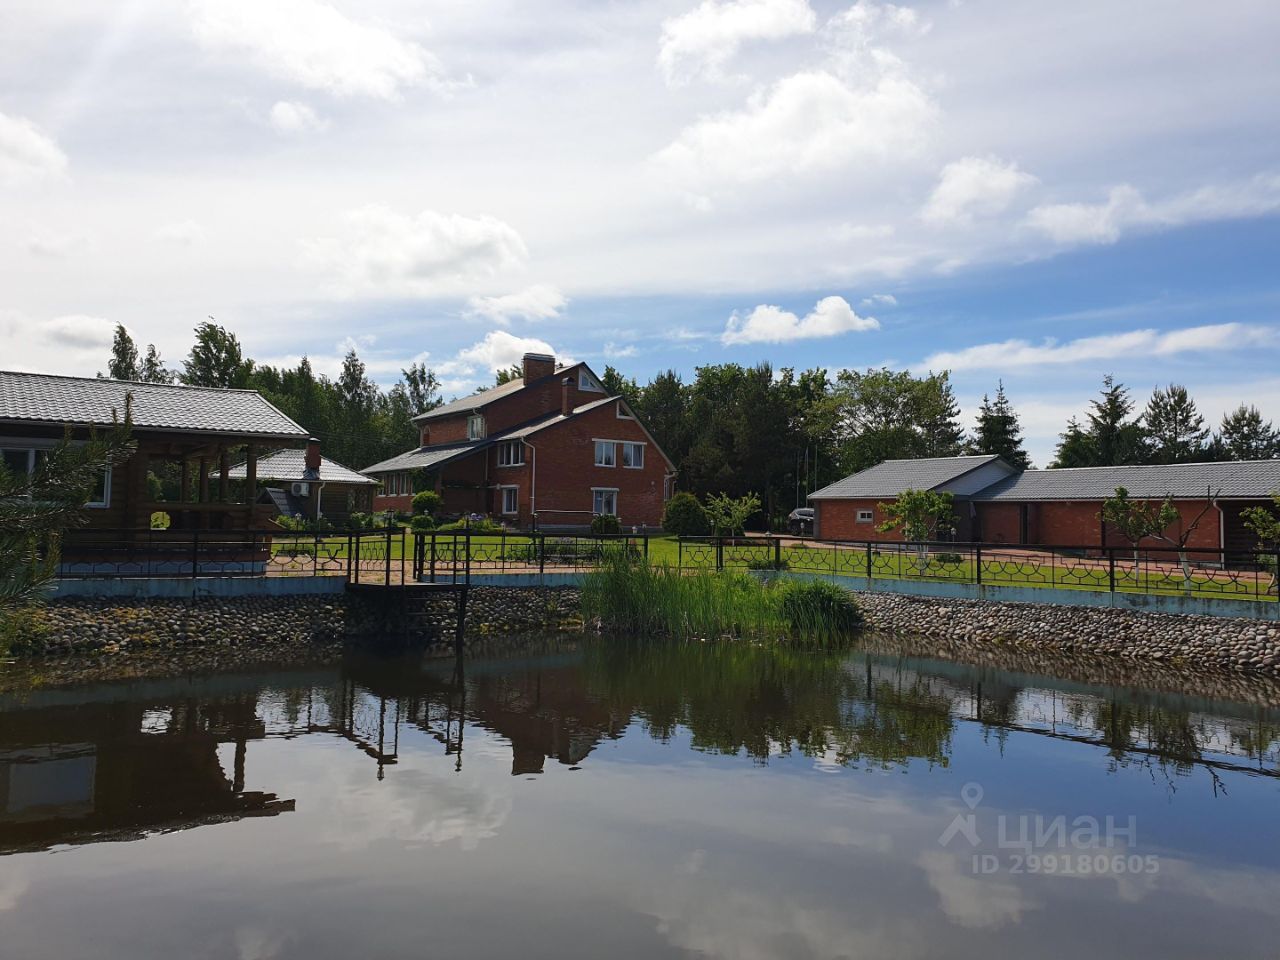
(619, 799)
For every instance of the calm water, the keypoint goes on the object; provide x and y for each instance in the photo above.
(624, 801)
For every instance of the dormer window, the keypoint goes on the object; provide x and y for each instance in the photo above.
(475, 427)
(587, 382)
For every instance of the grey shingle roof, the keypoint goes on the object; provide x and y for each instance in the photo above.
(292, 465)
(892, 477)
(84, 401)
(1247, 480)
(479, 399)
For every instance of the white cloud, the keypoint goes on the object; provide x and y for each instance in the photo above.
(975, 186)
(293, 117)
(1022, 353)
(382, 252)
(79, 331)
(498, 350)
(807, 122)
(703, 40)
(538, 302)
(1125, 208)
(27, 155)
(830, 317)
(57, 245)
(315, 45)
(182, 232)
(846, 232)
(880, 300)
(615, 352)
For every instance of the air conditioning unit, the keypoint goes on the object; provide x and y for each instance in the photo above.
(301, 489)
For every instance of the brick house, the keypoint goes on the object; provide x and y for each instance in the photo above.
(996, 503)
(549, 449)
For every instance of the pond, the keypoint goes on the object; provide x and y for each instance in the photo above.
(601, 798)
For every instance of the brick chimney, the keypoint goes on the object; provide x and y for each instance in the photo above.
(566, 396)
(312, 457)
(537, 365)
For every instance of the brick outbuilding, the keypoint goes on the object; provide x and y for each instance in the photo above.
(996, 503)
(550, 448)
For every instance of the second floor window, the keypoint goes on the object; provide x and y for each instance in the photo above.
(606, 453)
(510, 454)
(633, 455)
(475, 427)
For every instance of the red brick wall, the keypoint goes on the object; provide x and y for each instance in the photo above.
(999, 522)
(543, 397)
(566, 471)
(838, 520)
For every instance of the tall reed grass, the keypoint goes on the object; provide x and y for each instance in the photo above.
(638, 598)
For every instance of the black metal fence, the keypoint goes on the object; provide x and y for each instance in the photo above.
(455, 556)
(1197, 571)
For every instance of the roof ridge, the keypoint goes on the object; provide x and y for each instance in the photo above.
(136, 383)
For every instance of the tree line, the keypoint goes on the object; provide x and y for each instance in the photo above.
(736, 429)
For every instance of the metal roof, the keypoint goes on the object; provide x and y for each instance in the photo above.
(292, 465)
(428, 457)
(1235, 480)
(892, 477)
(86, 401)
(482, 398)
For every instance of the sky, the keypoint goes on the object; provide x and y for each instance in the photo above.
(1028, 192)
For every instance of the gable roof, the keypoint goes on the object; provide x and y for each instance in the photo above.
(292, 465)
(1234, 480)
(892, 477)
(86, 401)
(483, 398)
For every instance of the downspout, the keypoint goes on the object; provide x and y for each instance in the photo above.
(533, 481)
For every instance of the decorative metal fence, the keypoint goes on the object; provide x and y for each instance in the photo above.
(1198, 571)
(455, 556)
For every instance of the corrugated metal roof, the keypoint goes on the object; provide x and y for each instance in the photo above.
(892, 477)
(427, 457)
(480, 399)
(1238, 480)
(44, 398)
(292, 465)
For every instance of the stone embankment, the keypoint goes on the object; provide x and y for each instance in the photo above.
(1157, 638)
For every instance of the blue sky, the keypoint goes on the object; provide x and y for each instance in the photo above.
(1039, 193)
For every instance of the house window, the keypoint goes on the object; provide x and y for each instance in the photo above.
(587, 382)
(25, 460)
(397, 485)
(475, 427)
(606, 451)
(604, 501)
(510, 500)
(101, 496)
(624, 413)
(510, 454)
(865, 516)
(19, 461)
(633, 455)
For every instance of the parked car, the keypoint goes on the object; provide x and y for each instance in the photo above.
(800, 521)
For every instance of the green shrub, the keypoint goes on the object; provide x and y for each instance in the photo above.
(816, 607)
(481, 525)
(684, 516)
(422, 523)
(361, 521)
(605, 524)
(426, 503)
(766, 562)
(22, 628)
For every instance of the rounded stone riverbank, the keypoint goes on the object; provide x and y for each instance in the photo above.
(964, 628)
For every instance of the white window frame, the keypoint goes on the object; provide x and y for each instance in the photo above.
(596, 494)
(866, 516)
(589, 383)
(105, 502)
(515, 491)
(612, 447)
(622, 412)
(637, 453)
(512, 451)
(475, 426)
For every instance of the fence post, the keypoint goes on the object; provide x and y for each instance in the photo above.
(468, 549)
(315, 553)
(1111, 568)
(195, 553)
(348, 554)
(433, 556)
(646, 545)
(777, 553)
(542, 553)
(977, 563)
(387, 581)
(869, 564)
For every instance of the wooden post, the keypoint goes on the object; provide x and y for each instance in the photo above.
(251, 475)
(224, 478)
(202, 482)
(185, 496)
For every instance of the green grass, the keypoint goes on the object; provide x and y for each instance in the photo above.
(646, 600)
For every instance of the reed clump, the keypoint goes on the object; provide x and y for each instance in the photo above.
(631, 596)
